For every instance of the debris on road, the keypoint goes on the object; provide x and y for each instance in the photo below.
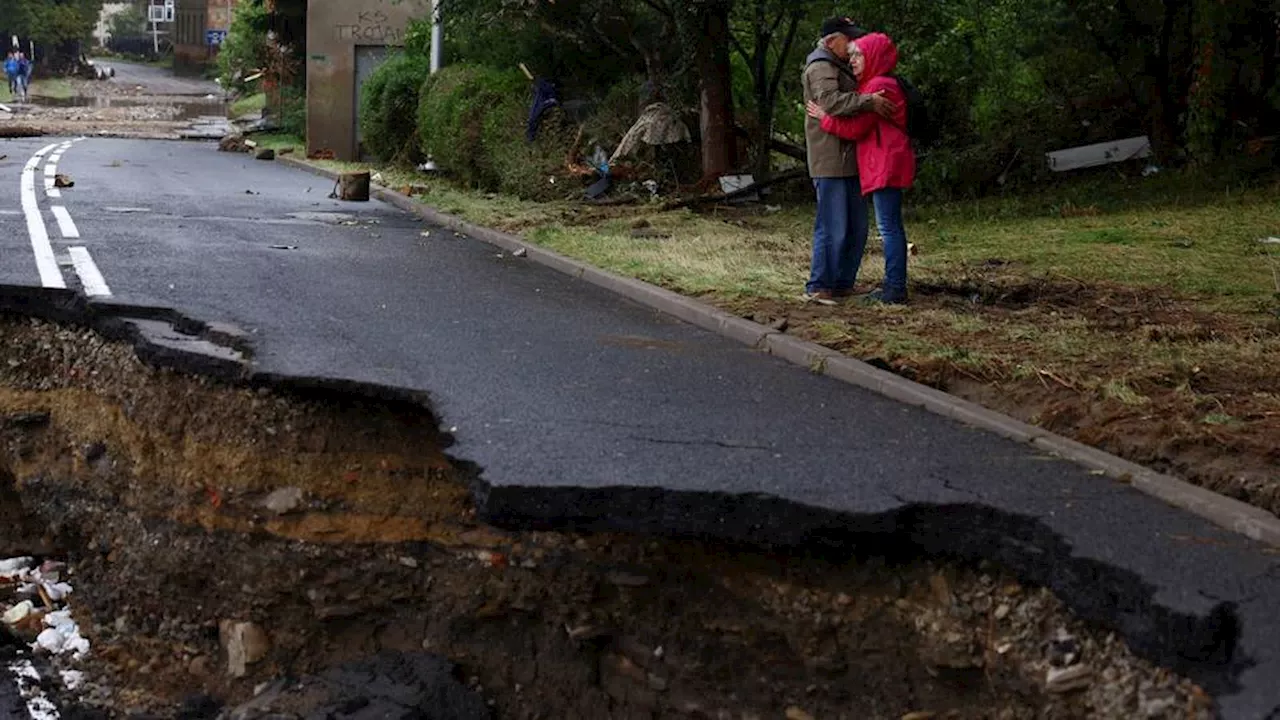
(353, 186)
(232, 143)
(265, 154)
(19, 131)
(520, 252)
(63, 181)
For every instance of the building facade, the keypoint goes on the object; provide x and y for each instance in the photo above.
(346, 41)
(199, 28)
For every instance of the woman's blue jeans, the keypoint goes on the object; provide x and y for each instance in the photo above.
(888, 204)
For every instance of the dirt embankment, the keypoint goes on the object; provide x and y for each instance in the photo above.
(290, 532)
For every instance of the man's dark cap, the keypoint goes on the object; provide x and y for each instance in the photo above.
(832, 26)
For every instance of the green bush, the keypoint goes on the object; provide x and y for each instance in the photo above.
(471, 122)
(388, 107)
(245, 49)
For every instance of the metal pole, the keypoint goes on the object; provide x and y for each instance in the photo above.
(437, 37)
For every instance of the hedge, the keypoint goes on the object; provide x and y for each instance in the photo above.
(471, 122)
(388, 104)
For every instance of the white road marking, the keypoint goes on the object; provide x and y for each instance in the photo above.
(65, 224)
(50, 173)
(90, 278)
(46, 263)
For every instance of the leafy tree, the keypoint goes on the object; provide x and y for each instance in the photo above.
(130, 22)
(58, 27)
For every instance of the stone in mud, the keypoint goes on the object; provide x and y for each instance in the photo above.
(1065, 680)
(283, 501)
(245, 644)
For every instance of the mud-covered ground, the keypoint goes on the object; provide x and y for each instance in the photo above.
(110, 108)
(335, 530)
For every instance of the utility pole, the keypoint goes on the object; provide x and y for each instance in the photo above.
(437, 37)
(437, 59)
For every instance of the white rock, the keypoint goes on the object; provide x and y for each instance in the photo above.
(72, 679)
(245, 644)
(283, 501)
(19, 612)
(13, 567)
(52, 640)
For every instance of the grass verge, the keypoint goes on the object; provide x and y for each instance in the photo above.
(1147, 327)
(56, 88)
(249, 104)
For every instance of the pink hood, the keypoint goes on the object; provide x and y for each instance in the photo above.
(880, 55)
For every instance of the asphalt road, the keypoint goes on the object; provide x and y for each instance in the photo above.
(158, 80)
(581, 408)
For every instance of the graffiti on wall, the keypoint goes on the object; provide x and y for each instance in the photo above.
(371, 26)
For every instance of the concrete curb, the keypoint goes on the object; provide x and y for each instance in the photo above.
(1234, 515)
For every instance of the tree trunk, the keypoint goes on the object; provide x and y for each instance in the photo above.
(715, 73)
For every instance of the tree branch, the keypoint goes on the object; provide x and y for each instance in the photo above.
(661, 8)
(775, 82)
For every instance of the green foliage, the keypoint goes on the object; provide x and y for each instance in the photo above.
(293, 111)
(54, 26)
(128, 23)
(244, 51)
(389, 105)
(471, 123)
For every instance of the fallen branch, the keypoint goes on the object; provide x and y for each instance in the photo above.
(736, 194)
(794, 152)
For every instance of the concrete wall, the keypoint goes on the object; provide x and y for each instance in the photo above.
(335, 28)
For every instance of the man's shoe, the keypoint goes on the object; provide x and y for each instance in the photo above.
(821, 297)
(880, 297)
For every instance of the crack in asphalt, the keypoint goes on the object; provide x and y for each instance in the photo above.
(963, 491)
(702, 443)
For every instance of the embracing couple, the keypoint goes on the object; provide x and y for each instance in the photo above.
(858, 147)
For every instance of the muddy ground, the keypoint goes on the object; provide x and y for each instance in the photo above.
(163, 493)
(110, 108)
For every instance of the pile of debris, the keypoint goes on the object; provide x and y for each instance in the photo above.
(34, 599)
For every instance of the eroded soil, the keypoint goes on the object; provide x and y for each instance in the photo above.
(1145, 374)
(157, 489)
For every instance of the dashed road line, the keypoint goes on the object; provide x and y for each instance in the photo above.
(46, 263)
(90, 279)
(66, 225)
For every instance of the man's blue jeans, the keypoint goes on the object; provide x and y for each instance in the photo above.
(888, 204)
(839, 235)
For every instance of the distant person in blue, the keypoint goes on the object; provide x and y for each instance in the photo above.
(24, 74)
(11, 70)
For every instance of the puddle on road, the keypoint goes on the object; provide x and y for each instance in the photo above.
(333, 218)
(188, 108)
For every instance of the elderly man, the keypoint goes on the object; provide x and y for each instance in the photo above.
(840, 230)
